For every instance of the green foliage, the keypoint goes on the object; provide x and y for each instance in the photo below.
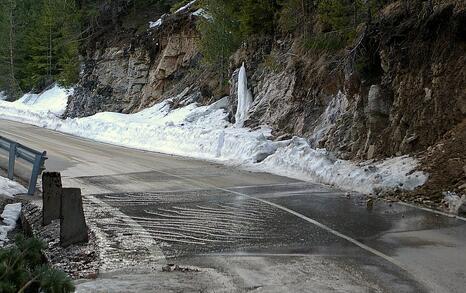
(257, 16)
(45, 41)
(287, 18)
(8, 42)
(326, 42)
(40, 39)
(339, 14)
(21, 267)
(231, 23)
(272, 62)
(178, 5)
(336, 13)
(338, 21)
(52, 281)
(220, 35)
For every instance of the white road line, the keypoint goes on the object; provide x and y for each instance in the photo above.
(433, 211)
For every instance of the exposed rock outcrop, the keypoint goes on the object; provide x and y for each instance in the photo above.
(408, 94)
(129, 75)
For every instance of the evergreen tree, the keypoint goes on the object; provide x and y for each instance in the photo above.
(41, 41)
(257, 16)
(8, 80)
(22, 269)
(296, 15)
(220, 34)
(53, 44)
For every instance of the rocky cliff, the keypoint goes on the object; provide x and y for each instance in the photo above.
(126, 71)
(399, 89)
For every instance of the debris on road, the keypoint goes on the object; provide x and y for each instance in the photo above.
(176, 268)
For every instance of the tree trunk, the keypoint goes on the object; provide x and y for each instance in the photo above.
(11, 41)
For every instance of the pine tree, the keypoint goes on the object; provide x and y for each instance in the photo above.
(8, 52)
(220, 34)
(22, 270)
(257, 16)
(53, 44)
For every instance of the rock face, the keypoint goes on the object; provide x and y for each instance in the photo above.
(402, 100)
(130, 75)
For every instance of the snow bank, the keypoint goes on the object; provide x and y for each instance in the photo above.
(10, 188)
(3, 96)
(299, 160)
(203, 132)
(51, 101)
(10, 216)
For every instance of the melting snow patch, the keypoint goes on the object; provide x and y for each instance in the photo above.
(10, 188)
(453, 201)
(154, 24)
(52, 101)
(202, 13)
(186, 6)
(10, 216)
(299, 160)
(3, 96)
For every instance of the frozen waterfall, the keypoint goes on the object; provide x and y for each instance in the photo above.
(244, 98)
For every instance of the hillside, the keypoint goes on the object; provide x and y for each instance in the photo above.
(396, 89)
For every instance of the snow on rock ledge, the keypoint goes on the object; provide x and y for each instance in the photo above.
(204, 133)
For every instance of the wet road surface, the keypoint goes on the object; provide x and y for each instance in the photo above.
(244, 231)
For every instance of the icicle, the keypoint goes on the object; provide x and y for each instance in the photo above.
(244, 98)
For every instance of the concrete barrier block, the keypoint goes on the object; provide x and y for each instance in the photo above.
(51, 197)
(73, 228)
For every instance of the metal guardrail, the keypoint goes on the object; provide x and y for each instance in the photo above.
(17, 150)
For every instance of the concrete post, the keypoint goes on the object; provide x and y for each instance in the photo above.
(11, 161)
(51, 197)
(73, 228)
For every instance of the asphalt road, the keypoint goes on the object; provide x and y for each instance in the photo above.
(244, 231)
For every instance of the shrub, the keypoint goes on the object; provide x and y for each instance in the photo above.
(22, 269)
(331, 41)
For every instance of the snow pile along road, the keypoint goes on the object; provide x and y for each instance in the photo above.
(10, 188)
(52, 101)
(203, 132)
(299, 160)
(10, 216)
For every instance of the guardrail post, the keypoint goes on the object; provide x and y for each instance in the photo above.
(11, 160)
(36, 169)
